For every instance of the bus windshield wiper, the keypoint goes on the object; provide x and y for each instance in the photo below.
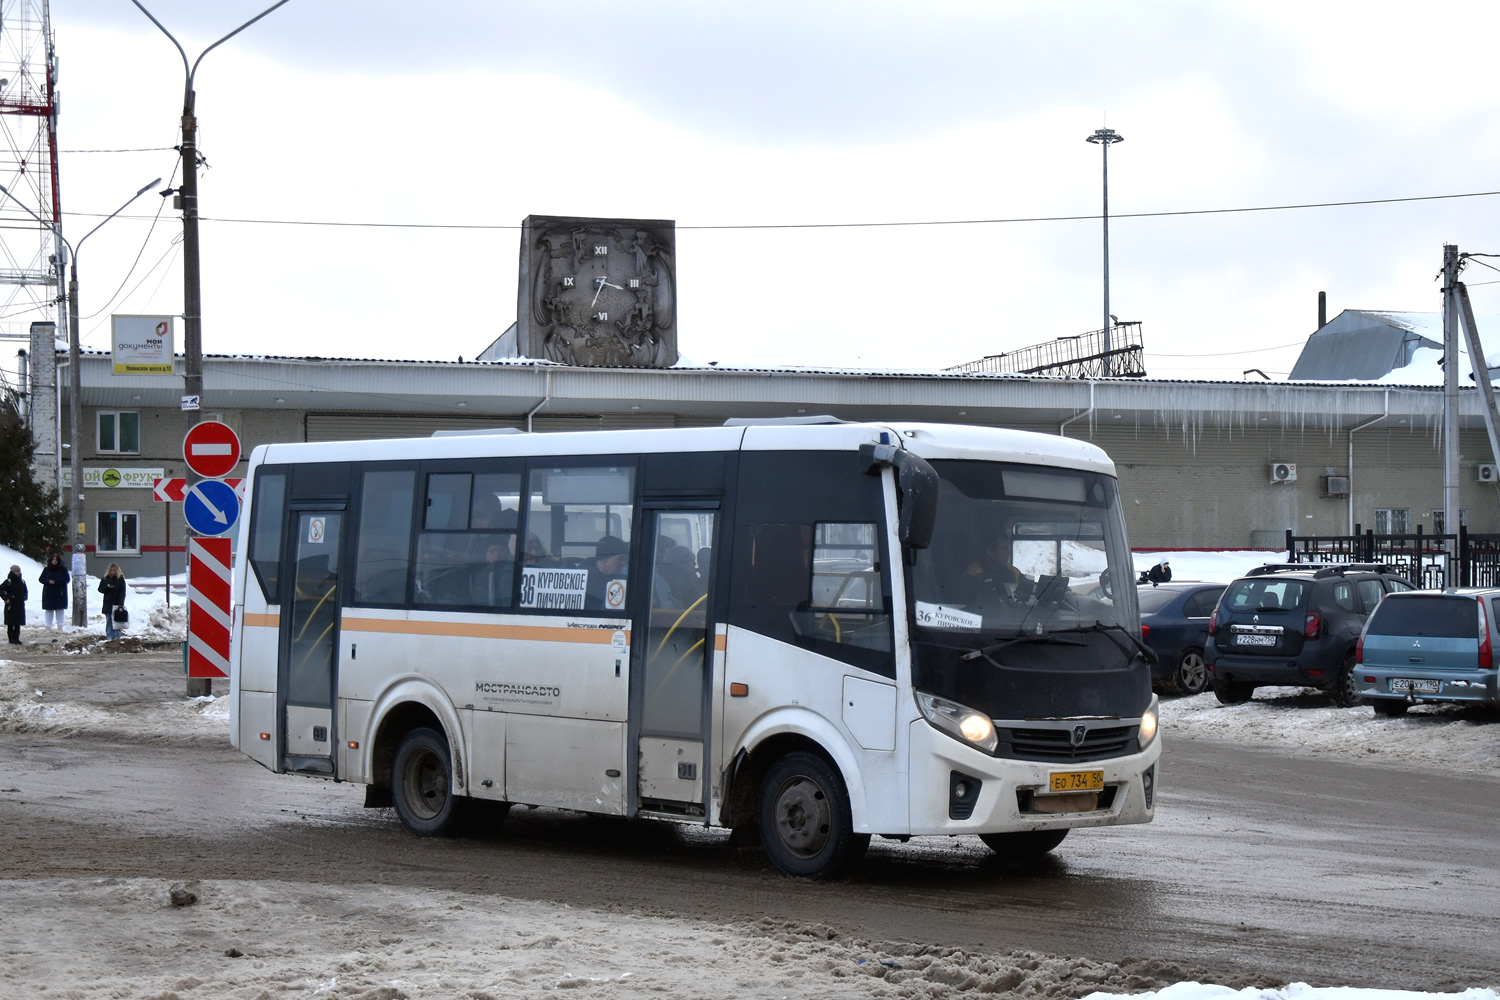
(1108, 630)
(1049, 638)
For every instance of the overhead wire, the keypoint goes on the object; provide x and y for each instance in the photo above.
(1225, 354)
(143, 149)
(172, 250)
(861, 225)
(159, 208)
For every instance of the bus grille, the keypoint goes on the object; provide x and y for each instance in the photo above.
(1056, 744)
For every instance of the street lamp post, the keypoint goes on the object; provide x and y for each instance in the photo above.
(1104, 138)
(75, 397)
(192, 313)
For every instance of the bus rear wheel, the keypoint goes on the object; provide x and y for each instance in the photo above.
(422, 785)
(804, 818)
(1023, 844)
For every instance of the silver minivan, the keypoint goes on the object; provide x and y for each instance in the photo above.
(1429, 646)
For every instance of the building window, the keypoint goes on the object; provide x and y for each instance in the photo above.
(119, 432)
(1439, 517)
(1392, 520)
(118, 533)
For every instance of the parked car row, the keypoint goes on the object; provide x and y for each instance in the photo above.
(1360, 632)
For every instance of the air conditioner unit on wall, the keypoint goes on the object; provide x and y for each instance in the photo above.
(1335, 486)
(1487, 473)
(1283, 472)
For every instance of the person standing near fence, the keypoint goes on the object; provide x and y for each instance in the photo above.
(54, 580)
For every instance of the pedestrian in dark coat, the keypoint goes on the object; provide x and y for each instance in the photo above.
(54, 580)
(1160, 573)
(13, 592)
(113, 589)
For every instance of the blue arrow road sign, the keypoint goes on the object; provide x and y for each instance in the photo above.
(210, 506)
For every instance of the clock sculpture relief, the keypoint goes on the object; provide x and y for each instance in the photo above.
(598, 291)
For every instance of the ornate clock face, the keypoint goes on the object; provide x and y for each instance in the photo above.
(602, 293)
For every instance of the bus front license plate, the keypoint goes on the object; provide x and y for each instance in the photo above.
(1077, 781)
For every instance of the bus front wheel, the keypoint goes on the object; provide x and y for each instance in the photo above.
(422, 784)
(805, 825)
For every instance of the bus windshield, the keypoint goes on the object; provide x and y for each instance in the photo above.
(1022, 550)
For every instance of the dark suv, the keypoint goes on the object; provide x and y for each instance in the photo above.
(1295, 625)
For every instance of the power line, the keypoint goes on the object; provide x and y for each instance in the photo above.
(146, 149)
(136, 263)
(1226, 354)
(857, 225)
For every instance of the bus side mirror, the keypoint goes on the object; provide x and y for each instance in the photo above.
(918, 485)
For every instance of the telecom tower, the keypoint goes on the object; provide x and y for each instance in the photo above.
(31, 267)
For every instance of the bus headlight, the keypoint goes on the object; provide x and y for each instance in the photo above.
(959, 721)
(1149, 722)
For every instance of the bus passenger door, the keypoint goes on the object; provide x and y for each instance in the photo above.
(309, 643)
(672, 654)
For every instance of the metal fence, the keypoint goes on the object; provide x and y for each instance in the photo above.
(1083, 356)
(1428, 561)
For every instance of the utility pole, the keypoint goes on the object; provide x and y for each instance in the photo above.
(1104, 138)
(1450, 389)
(192, 300)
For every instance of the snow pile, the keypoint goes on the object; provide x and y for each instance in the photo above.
(1304, 720)
(222, 938)
(1209, 567)
(1296, 991)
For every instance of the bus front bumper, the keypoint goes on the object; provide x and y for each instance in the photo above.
(958, 789)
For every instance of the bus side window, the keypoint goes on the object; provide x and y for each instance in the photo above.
(466, 552)
(269, 498)
(846, 567)
(807, 557)
(573, 515)
(383, 558)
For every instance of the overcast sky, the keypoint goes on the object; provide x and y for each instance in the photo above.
(480, 113)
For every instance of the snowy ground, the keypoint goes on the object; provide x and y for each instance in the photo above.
(377, 942)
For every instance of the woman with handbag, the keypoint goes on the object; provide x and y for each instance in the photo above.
(113, 589)
(54, 580)
(13, 592)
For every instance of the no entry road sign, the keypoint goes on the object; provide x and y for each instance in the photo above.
(211, 508)
(211, 449)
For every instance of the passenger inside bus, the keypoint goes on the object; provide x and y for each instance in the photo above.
(676, 584)
(609, 563)
(536, 552)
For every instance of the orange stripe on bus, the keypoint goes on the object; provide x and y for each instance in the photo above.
(721, 641)
(263, 621)
(476, 630)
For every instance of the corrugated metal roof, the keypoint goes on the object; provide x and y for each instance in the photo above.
(513, 388)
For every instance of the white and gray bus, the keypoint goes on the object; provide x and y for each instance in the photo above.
(813, 632)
